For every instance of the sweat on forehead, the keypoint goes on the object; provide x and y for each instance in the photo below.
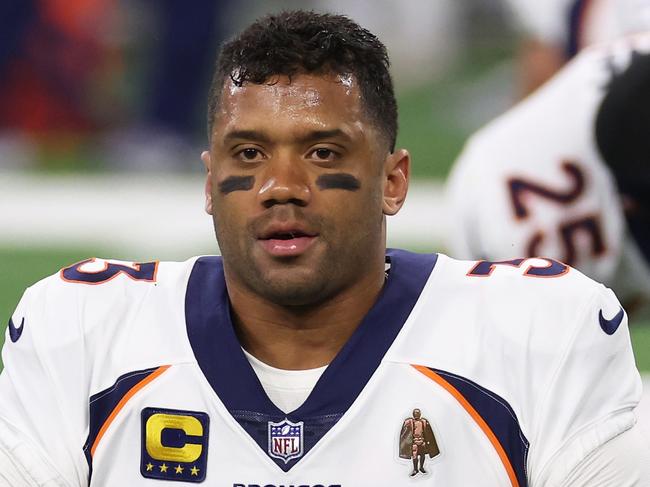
(302, 84)
(303, 91)
(312, 100)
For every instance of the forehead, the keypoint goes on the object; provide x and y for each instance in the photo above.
(302, 100)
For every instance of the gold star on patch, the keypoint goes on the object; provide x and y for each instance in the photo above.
(149, 467)
(194, 470)
(179, 469)
(163, 468)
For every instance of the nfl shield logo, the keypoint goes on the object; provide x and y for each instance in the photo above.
(285, 440)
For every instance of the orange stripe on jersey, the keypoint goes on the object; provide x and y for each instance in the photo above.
(156, 373)
(476, 417)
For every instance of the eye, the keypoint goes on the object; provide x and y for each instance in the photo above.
(250, 154)
(322, 154)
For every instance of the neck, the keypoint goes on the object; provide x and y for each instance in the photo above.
(302, 337)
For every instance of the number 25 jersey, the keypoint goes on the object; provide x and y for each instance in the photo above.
(462, 373)
(532, 181)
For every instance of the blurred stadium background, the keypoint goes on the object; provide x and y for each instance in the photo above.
(102, 121)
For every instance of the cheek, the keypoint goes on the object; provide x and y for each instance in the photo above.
(229, 212)
(359, 209)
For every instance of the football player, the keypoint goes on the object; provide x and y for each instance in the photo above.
(293, 359)
(545, 177)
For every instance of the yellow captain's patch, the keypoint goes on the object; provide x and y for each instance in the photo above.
(175, 444)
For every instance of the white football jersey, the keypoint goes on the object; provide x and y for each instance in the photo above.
(121, 374)
(575, 24)
(532, 181)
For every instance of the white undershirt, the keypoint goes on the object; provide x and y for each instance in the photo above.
(287, 389)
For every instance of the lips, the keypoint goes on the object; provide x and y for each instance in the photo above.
(286, 239)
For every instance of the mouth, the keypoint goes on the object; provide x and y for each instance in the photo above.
(286, 241)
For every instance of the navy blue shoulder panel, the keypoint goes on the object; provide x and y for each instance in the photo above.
(219, 355)
(499, 416)
(102, 404)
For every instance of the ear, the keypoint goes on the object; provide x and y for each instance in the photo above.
(397, 169)
(205, 157)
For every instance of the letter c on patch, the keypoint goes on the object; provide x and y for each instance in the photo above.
(159, 422)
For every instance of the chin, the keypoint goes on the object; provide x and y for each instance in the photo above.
(303, 291)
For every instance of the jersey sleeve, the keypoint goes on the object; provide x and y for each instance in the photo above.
(591, 394)
(43, 414)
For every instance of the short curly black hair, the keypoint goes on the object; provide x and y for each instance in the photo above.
(299, 42)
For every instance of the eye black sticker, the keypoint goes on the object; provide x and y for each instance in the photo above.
(338, 181)
(236, 183)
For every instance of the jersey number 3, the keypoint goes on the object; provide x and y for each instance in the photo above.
(99, 271)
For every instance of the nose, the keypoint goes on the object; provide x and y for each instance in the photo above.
(285, 181)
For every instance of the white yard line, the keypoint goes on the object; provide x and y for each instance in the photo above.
(159, 215)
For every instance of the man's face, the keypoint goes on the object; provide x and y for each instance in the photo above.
(298, 184)
(416, 413)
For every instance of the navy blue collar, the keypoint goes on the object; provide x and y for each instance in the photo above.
(222, 361)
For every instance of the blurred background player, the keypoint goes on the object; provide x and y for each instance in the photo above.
(177, 56)
(55, 60)
(94, 82)
(542, 178)
(556, 30)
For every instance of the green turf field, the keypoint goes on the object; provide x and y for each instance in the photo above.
(427, 132)
(21, 268)
(431, 116)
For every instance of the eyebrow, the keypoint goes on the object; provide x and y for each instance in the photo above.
(323, 134)
(311, 136)
(246, 135)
